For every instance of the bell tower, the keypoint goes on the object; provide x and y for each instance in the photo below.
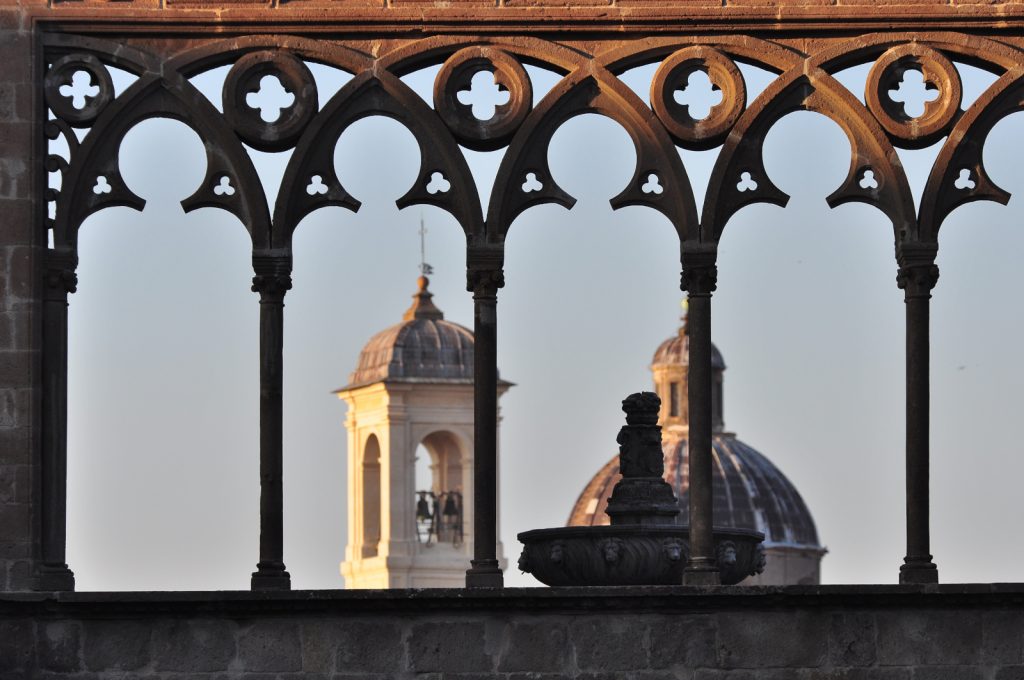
(412, 390)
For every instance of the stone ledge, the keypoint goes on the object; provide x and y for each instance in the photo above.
(667, 599)
(425, 18)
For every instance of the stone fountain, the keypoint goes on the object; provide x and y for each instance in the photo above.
(645, 544)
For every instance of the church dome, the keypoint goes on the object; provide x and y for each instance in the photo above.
(675, 352)
(423, 348)
(748, 490)
(749, 493)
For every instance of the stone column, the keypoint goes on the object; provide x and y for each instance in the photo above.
(917, 276)
(51, 571)
(272, 281)
(699, 280)
(485, 571)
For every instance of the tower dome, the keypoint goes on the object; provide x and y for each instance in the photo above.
(749, 491)
(410, 423)
(422, 347)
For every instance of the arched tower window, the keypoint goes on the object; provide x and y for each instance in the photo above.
(440, 486)
(371, 496)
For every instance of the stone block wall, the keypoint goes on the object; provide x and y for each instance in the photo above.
(824, 633)
(19, 351)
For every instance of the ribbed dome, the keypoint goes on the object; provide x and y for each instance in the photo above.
(423, 347)
(749, 493)
(674, 352)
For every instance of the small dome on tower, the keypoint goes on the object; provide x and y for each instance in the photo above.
(675, 352)
(424, 347)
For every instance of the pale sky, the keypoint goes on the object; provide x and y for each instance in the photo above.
(163, 406)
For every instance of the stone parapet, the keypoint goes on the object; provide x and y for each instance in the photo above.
(725, 633)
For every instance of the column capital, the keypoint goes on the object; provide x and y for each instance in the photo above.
(917, 279)
(918, 272)
(273, 275)
(700, 273)
(484, 269)
(484, 281)
(59, 275)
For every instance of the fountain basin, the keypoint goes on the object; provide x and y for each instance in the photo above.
(632, 554)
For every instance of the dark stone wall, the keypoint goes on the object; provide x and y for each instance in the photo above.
(19, 350)
(824, 633)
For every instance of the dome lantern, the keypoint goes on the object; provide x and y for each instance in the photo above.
(670, 367)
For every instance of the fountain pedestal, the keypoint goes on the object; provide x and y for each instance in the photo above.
(644, 545)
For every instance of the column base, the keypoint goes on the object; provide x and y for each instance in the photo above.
(919, 571)
(271, 576)
(50, 577)
(702, 572)
(485, 574)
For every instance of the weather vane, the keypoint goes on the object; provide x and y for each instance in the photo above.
(425, 268)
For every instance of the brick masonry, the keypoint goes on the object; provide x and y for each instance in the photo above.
(825, 633)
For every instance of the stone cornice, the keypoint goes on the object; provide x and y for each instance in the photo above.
(656, 599)
(573, 16)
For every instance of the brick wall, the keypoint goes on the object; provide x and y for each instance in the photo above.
(837, 633)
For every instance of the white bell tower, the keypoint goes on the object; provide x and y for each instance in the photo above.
(412, 388)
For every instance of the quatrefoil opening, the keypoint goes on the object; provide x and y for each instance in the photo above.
(691, 126)
(890, 96)
(464, 78)
(266, 117)
(484, 95)
(77, 88)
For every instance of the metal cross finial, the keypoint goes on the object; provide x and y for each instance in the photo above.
(425, 269)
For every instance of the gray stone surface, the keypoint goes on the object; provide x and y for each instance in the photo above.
(537, 646)
(116, 645)
(270, 646)
(929, 638)
(1001, 637)
(58, 646)
(16, 644)
(765, 640)
(609, 643)
(531, 634)
(950, 673)
(858, 673)
(456, 646)
(194, 646)
(679, 642)
(852, 639)
(368, 646)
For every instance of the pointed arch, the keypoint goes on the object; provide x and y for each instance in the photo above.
(368, 94)
(592, 90)
(818, 92)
